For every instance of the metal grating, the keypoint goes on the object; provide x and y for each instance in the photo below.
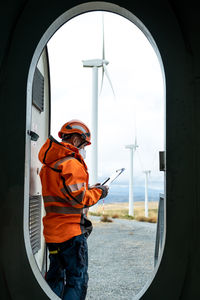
(38, 90)
(35, 222)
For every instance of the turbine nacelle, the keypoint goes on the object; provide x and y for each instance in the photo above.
(95, 63)
(132, 146)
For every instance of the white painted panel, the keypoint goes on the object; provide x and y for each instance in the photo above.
(40, 125)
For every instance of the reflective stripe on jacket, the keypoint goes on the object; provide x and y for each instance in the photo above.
(64, 179)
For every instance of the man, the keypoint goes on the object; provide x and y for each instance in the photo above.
(66, 195)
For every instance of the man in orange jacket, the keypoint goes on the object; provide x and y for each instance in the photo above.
(66, 195)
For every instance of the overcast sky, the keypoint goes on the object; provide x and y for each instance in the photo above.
(135, 72)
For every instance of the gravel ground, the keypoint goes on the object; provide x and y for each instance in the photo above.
(121, 258)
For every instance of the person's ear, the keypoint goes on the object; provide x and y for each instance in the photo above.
(75, 140)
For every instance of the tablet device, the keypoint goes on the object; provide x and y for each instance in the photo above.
(110, 179)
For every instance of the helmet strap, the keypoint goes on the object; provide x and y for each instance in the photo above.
(81, 144)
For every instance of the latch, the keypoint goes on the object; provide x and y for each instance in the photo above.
(34, 136)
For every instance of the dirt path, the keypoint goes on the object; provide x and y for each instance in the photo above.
(121, 258)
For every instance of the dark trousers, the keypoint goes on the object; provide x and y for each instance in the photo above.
(67, 274)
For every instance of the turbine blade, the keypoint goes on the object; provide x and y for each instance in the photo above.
(101, 81)
(106, 72)
(103, 41)
(136, 141)
(103, 53)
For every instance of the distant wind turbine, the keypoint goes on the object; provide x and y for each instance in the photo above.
(132, 149)
(95, 64)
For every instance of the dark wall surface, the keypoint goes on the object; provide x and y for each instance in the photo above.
(175, 27)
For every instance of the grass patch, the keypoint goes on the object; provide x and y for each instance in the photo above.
(128, 217)
(146, 219)
(97, 214)
(120, 210)
(106, 218)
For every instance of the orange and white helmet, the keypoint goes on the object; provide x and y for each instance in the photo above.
(75, 126)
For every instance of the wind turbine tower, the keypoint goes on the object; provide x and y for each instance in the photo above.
(132, 149)
(147, 174)
(95, 64)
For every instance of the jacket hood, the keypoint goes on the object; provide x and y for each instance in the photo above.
(52, 150)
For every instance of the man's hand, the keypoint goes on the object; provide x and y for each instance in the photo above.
(104, 188)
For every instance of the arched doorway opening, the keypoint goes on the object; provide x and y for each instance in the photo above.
(84, 8)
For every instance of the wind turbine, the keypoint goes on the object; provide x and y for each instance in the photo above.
(132, 149)
(95, 64)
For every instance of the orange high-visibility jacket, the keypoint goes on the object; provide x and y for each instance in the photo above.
(65, 191)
